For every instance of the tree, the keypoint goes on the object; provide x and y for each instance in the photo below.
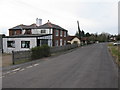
(77, 34)
(82, 33)
(87, 34)
(103, 37)
(118, 37)
(79, 31)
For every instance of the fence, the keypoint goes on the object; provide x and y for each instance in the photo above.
(21, 55)
(26, 55)
(62, 48)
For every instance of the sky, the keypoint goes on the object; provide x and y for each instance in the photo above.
(94, 16)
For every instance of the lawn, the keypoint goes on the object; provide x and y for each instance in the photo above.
(115, 51)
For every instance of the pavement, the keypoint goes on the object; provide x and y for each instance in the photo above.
(86, 67)
(6, 60)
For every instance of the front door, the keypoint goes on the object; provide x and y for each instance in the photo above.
(38, 42)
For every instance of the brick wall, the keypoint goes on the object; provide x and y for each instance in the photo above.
(15, 32)
(59, 37)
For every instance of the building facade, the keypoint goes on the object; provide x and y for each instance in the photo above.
(59, 34)
(25, 42)
(24, 37)
(73, 40)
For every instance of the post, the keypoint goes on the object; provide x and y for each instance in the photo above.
(13, 61)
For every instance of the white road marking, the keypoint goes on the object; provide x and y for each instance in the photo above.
(35, 64)
(13, 72)
(29, 66)
(22, 69)
(7, 72)
(16, 69)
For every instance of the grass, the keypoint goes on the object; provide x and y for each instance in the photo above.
(115, 51)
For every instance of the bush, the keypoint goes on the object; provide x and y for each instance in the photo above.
(40, 51)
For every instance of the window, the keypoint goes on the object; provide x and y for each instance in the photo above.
(60, 42)
(43, 31)
(27, 31)
(65, 34)
(11, 44)
(56, 43)
(61, 33)
(57, 33)
(64, 42)
(25, 44)
(44, 42)
(14, 32)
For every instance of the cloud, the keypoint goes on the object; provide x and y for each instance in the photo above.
(93, 15)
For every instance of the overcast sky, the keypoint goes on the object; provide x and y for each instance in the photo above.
(95, 16)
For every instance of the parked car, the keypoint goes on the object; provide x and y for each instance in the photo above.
(116, 43)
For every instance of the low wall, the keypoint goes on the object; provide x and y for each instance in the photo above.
(21, 55)
(26, 55)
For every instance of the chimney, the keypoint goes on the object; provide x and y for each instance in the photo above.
(38, 22)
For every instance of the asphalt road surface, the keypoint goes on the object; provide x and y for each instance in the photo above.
(86, 67)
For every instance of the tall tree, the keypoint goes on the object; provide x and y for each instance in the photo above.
(82, 33)
(79, 29)
(77, 34)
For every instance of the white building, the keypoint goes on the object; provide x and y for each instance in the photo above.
(25, 42)
(24, 37)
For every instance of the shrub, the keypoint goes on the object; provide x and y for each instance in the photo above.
(40, 51)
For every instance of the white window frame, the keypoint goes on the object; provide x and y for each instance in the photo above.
(61, 32)
(24, 45)
(56, 43)
(64, 42)
(65, 33)
(56, 33)
(60, 42)
(11, 45)
(43, 32)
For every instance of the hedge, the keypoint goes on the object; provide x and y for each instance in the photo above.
(40, 51)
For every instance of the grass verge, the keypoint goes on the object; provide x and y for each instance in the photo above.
(115, 51)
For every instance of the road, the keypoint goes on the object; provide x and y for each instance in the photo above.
(86, 67)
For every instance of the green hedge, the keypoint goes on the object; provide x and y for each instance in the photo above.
(40, 51)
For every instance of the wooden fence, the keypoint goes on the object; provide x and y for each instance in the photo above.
(26, 55)
(62, 48)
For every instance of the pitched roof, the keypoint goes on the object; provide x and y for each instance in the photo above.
(34, 26)
(21, 26)
(84, 38)
(50, 25)
(69, 38)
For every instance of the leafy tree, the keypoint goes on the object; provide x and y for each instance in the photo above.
(82, 33)
(118, 37)
(77, 34)
(87, 34)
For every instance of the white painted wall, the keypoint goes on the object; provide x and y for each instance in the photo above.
(33, 43)
(75, 39)
(17, 44)
(38, 31)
